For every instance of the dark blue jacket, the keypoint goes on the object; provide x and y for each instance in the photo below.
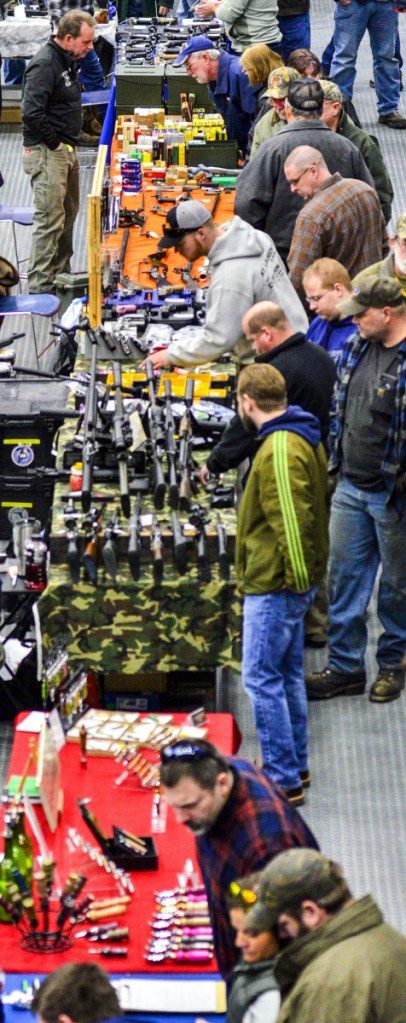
(331, 336)
(234, 98)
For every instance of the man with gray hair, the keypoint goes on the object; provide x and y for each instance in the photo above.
(342, 217)
(263, 196)
(52, 125)
(227, 83)
(342, 962)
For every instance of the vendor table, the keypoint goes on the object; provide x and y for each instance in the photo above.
(126, 806)
(25, 38)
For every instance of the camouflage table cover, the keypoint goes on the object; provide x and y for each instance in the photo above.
(130, 627)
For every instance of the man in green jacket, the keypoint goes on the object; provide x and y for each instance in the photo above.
(281, 552)
(393, 265)
(336, 118)
(343, 964)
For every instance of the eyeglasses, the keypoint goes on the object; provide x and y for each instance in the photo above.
(295, 181)
(183, 751)
(246, 894)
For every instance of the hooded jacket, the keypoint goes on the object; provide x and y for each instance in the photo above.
(263, 197)
(245, 268)
(282, 521)
(351, 969)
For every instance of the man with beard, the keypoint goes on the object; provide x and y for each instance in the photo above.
(241, 820)
(368, 514)
(342, 962)
(281, 554)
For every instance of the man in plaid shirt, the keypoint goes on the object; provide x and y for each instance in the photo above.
(342, 217)
(240, 818)
(368, 515)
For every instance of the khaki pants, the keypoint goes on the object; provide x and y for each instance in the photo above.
(54, 177)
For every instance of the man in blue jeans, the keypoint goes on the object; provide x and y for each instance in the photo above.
(281, 552)
(368, 514)
(352, 19)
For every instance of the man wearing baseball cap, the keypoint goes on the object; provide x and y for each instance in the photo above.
(368, 514)
(343, 964)
(275, 118)
(393, 265)
(263, 197)
(227, 83)
(244, 268)
(338, 120)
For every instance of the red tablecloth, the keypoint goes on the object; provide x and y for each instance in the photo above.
(125, 806)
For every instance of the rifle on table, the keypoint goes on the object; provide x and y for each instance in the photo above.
(134, 542)
(157, 438)
(157, 552)
(123, 437)
(224, 563)
(70, 516)
(91, 556)
(110, 548)
(89, 425)
(170, 445)
(179, 544)
(185, 444)
(199, 519)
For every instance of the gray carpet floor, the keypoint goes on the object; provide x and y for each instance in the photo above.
(356, 805)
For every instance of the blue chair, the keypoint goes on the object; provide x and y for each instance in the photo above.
(23, 215)
(30, 305)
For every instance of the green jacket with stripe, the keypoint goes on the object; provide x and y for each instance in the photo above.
(282, 534)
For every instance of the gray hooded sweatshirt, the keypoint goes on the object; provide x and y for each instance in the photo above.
(245, 268)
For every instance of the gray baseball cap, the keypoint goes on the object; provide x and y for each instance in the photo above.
(291, 876)
(182, 218)
(375, 292)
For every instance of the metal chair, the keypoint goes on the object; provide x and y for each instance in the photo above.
(23, 215)
(30, 305)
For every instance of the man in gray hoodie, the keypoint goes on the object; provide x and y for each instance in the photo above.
(244, 267)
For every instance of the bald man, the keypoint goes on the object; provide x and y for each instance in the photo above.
(342, 217)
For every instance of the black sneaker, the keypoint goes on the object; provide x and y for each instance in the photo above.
(388, 685)
(323, 685)
(295, 796)
(393, 120)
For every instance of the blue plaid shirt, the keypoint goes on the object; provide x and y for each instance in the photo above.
(393, 467)
(256, 823)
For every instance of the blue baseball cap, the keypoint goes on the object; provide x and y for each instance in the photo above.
(195, 44)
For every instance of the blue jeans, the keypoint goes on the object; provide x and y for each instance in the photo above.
(328, 53)
(295, 30)
(273, 639)
(364, 533)
(351, 23)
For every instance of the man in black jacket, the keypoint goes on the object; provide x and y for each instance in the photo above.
(308, 370)
(263, 197)
(52, 124)
(310, 375)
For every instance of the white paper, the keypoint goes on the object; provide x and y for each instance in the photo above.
(181, 995)
(32, 723)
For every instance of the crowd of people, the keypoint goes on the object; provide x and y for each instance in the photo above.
(308, 293)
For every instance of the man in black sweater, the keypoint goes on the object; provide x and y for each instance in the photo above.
(308, 370)
(310, 376)
(52, 124)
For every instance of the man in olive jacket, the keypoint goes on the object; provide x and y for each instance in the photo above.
(343, 963)
(281, 552)
(338, 120)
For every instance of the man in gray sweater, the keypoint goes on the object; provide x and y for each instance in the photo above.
(244, 267)
(263, 197)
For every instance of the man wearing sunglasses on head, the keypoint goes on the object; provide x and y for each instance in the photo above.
(240, 819)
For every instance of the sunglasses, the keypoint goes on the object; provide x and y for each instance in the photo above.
(246, 894)
(183, 751)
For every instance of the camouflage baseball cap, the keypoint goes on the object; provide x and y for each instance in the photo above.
(292, 876)
(401, 223)
(331, 91)
(279, 81)
(374, 292)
